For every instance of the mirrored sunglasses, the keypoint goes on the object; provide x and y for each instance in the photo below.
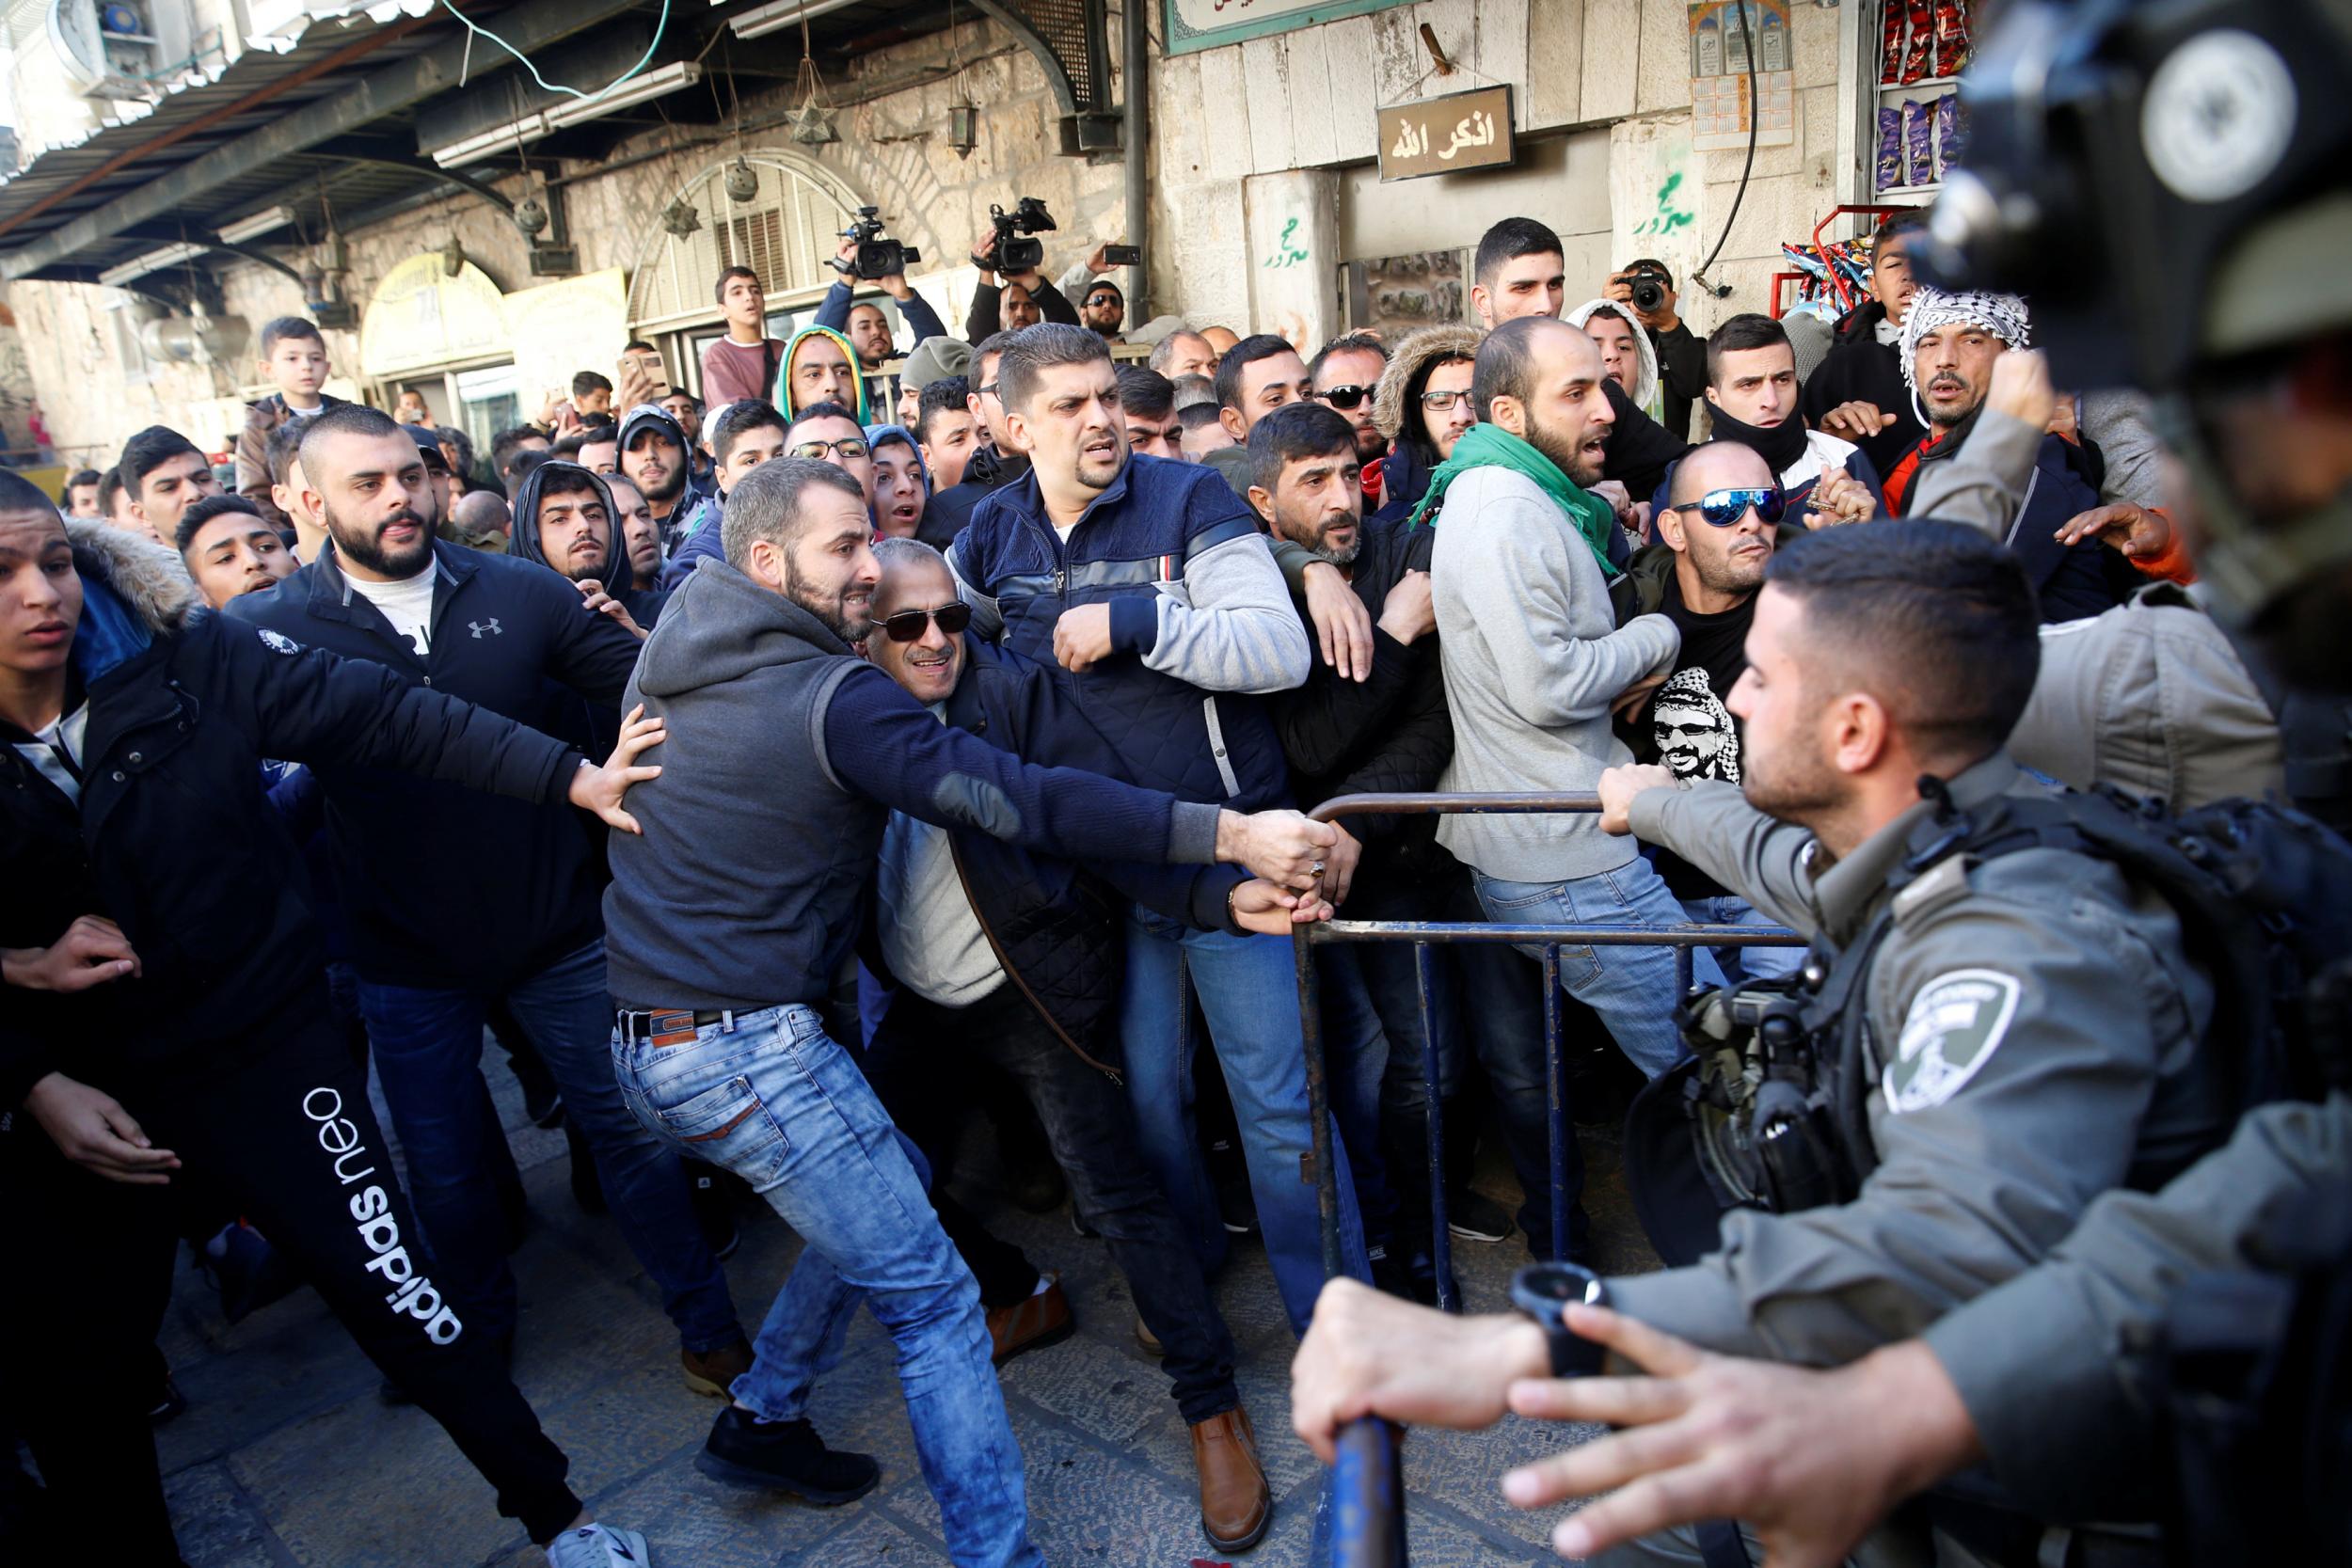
(1724, 508)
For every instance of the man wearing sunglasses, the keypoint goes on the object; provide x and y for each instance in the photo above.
(1717, 536)
(727, 934)
(999, 950)
(1345, 374)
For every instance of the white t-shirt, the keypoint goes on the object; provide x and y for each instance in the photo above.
(930, 933)
(407, 605)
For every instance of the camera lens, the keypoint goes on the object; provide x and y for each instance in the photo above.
(1649, 293)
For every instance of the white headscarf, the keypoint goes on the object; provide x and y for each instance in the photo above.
(1646, 384)
(2003, 315)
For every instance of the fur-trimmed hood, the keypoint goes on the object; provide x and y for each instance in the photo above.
(1645, 388)
(151, 581)
(1409, 370)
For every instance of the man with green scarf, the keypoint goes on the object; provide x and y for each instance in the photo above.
(1535, 662)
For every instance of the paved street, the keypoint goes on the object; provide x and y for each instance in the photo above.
(285, 1456)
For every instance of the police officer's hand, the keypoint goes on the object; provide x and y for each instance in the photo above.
(1618, 785)
(1283, 847)
(1259, 906)
(1083, 636)
(93, 952)
(1372, 1355)
(93, 1131)
(601, 789)
(1809, 1460)
(1342, 624)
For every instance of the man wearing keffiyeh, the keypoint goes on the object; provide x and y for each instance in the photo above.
(1949, 343)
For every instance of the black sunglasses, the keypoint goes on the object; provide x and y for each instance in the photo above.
(1724, 508)
(907, 625)
(1344, 397)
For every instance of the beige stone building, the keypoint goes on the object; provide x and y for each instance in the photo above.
(478, 239)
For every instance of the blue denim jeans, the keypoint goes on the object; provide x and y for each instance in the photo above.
(1249, 992)
(1632, 989)
(428, 1056)
(772, 1098)
(1743, 964)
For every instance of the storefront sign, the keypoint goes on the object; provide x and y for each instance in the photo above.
(1442, 135)
(1207, 23)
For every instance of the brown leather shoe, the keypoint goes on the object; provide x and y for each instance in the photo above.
(1236, 1504)
(711, 1372)
(1030, 1323)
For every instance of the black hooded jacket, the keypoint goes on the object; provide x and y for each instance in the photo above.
(988, 473)
(643, 602)
(172, 838)
(447, 889)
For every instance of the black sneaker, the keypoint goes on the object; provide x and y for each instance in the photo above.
(1475, 1217)
(785, 1456)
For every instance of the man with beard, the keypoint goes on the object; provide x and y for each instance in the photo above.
(991, 465)
(654, 458)
(230, 548)
(1859, 391)
(565, 518)
(1535, 663)
(640, 534)
(726, 936)
(455, 900)
(867, 327)
(1345, 375)
(1949, 345)
(1716, 539)
(685, 409)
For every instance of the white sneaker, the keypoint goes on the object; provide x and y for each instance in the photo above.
(599, 1547)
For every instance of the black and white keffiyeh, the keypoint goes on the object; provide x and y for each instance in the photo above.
(2003, 315)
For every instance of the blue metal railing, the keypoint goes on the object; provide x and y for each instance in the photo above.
(1367, 1487)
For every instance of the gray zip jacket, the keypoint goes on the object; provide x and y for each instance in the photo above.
(2033, 1034)
(1534, 657)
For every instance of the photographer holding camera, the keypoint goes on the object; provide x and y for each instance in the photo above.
(864, 255)
(1023, 295)
(1649, 289)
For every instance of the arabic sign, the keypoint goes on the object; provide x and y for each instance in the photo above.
(1207, 23)
(1440, 136)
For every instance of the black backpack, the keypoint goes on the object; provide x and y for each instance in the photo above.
(1768, 1110)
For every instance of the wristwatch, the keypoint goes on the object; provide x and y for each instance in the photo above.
(1540, 1291)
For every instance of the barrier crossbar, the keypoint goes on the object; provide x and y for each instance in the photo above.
(1367, 1495)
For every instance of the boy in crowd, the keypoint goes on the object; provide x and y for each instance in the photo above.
(293, 357)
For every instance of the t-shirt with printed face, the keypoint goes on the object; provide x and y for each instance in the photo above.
(1685, 725)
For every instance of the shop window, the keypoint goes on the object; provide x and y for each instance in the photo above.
(489, 401)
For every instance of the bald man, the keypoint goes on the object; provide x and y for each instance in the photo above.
(1717, 533)
(480, 521)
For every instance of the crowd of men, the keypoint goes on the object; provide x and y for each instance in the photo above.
(323, 774)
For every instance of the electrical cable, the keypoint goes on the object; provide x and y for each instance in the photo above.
(477, 30)
(1755, 123)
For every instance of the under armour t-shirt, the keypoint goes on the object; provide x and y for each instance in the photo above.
(407, 605)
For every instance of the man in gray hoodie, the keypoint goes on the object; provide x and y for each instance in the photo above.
(726, 924)
(1535, 663)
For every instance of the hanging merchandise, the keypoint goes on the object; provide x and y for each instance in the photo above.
(743, 181)
(812, 121)
(681, 218)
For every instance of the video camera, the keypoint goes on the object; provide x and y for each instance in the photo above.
(1028, 216)
(1650, 287)
(876, 257)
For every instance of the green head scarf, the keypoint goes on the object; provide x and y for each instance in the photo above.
(1490, 446)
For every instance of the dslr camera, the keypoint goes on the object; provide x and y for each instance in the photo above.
(1028, 216)
(1650, 287)
(876, 256)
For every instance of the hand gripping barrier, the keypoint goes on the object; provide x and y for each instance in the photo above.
(1366, 1495)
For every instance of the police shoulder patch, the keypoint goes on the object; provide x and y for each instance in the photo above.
(280, 641)
(1955, 1024)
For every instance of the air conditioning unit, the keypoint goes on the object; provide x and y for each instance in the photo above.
(106, 49)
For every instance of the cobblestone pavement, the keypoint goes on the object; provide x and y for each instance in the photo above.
(285, 1456)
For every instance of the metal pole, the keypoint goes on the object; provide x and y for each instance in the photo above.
(1556, 1101)
(1135, 67)
(1441, 1239)
(1318, 1100)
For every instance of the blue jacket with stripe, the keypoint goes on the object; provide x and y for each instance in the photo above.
(1202, 626)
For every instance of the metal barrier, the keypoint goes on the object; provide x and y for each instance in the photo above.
(1367, 1486)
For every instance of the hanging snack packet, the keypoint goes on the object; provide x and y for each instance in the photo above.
(1891, 48)
(1890, 159)
(1916, 49)
(1918, 156)
(1951, 37)
(1949, 140)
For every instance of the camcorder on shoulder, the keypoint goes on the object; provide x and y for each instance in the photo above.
(877, 257)
(1028, 216)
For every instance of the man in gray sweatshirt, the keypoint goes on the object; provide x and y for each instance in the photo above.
(1535, 664)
